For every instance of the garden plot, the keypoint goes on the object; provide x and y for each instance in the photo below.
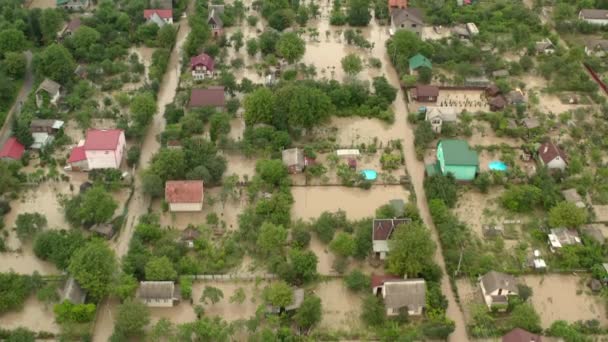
(470, 295)
(357, 203)
(341, 307)
(34, 316)
(471, 101)
(552, 104)
(354, 131)
(564, 297)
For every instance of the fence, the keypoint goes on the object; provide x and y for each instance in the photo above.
(234, 276)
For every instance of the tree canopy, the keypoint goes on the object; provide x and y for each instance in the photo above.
(93, 266)
(412, 249)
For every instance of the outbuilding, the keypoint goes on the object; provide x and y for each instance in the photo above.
(184, 195)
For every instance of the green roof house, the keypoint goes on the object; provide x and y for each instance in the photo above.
(419, 61)
(457, 158)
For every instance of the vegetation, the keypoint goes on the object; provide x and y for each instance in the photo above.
(93, 266)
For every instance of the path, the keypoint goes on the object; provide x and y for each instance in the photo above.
(5, 131)
(104, 325)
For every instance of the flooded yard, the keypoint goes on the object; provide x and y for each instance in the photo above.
(564, 297)
(311, 201)
(238, 164)
(341, 307)
(34, 316)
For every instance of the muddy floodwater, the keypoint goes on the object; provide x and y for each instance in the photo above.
(311, 201)
(34, 316)
(341, 307)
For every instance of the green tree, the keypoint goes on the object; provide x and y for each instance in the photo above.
(281, 19)
(93, 266)
(567, 214)
(205, 329)
(56, 63)
(152, 184)
(372, 311)
(219, 125)
(259, 107)
(124, 286)
(132, 317)
(384, 89)
(352, 64)
(357, 281)
(425, 75)
(521, 198)
(238, 296)
(160, 268)
(169, 164)
(252, 47)
(443, 188)
(15, 64)
(237, 40)
(291, 47)
(50, 23)
(268, 41)
(166, 36)
(303, 265)
(28, 225)
(21, 335)
(278, 294)
(412, 249)
(271, 239)
(305, 107)
(58, 246)
(309, 313)
(143, 108)
(83, 39)
(97, 206)
(12, 40)
(212, 294)
(525, 317)
(358, 12)
(271, 171)
(342, 245)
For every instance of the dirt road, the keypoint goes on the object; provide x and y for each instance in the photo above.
(5, 131)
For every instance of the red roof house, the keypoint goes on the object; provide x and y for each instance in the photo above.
(210, 97)
(12, 150)
(184, 195)
(159, 16)
(552, 156)
(202, 66)
(521, 335)
(381, 233)
(425, 93)
(378, 280)
(102, 149)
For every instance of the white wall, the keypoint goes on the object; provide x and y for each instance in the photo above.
(186, 206)
(100, 159)
(557, 163)
(597, 21)
(380, 246)
(161, 303)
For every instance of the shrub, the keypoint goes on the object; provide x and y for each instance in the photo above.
(357, 281)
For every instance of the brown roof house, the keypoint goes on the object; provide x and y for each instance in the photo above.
(594, 16)
(158, 293)
(496, 288)
(381, 233)
(189, 235)
(184, 196)
(215, 20)
(48, 88)
(560, 237)
(409, 19)
(521, 335)
(70, 28)
(552, 156)
(294, 159)
(425, 93)
(209, 97)
(400, 294)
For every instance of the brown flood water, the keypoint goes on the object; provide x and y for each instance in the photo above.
(341, 308)
(34, 316)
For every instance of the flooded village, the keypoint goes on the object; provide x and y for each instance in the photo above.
(239, 170)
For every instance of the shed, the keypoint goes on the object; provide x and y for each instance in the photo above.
(51, 88)
(73, 292)
(189, 235)
(418, 61)
(209, 97)
(521, 335)
(497, 103)
(595, 231)
(560, 237)
(530, 123)
(293, 159)
(158, 293)
(572, 196)
(425, 93)
(12, 149)
(105, 230)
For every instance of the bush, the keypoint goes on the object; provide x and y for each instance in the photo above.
(372, 311)
(29, 224)
(67, 312)
(133, 156)
(357, 281)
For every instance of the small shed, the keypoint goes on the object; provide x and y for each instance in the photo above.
(572, 196)
(105, 230)
(158, 293)
(189, 235)
(425, 93)
(595, 231)
(348, 153)
(500, 73)
(497, 103)
(419, 61)
(73, 292)
(293, 159)
(51, 88)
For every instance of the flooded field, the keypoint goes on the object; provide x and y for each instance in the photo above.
(25, 262)
(34, 316)
(564, 297)
(311, 201)
(341, 308)
(240, 165)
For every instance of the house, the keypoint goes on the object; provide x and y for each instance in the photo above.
(12, 150)
(425, 93)
(215, 21)
(500, 73)
(189, 235)
(552, 156)
(409, 19)
(419, 61)
(497, 103)
(209, 97)
(438, 115)
(560, 237)
(480, 81)
(105, 230)
(399, 294)
(153, 16)
(596, 47)
(43, 131)
(202, 66)
(397, 4)
(51, 88)
(594, 16)
(521, 335)
(73, 292)
(296, 302)
(70, 28)
(492, 90)
(382, 230)
(74, 5)
(457, 158)
(496, 288)
(184, 195)
(595, 231)
(81, 71)
(545, 46)
(293, 159)
(102, 149)
(516, 97)
(572, 196)
(158, 293)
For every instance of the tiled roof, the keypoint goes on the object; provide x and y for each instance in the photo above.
(184, 191)
(163, 13)
(102, 139)
(77, 154)
(210, 97)
(12, 149)
(202, 59)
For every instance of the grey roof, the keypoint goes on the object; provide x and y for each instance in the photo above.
(595, 232)
(298, 298)
(493, 281)
(410, 293)
(544, 44)
(566, 236)
(49, 86)
(447, 114)
(401, 15)
(215, 12)
(597, 44)
(515, 96)
(293, 156)
(156, 290)
(73, 292)
(461, 30)
(572, 196)
(531, 123)
(155, 18)
(593, 13)
(104, 229)
(47, 123)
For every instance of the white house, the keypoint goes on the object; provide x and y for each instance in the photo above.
(496, 288)
(594, 16)
(381, 233)
(438, 115)
(399, 293)
(184, 195)
(552, 156)
(202, 66)
(51, 88)
(158, 293)
(102, 149)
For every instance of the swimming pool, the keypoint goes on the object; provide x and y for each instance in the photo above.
(369, 174)
(497, 165)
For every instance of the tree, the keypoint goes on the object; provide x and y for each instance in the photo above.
(143, 108)
(521, 198)
(352, 64)
(425, 75)
(271, 239)
(291, 47)
(358, 12)
(442, 187)
(28, 225)
(357, 281)
(50, 23)
(93, 266)
(271, 171)
(219, 125)
(133, 316)
(152, 185)
(124, 286)
(58, 246)
(252, 47)
(238, 296)
(411, 248)
(166, 36)
(162, 331)
(97, 206)
(567, 214)
(342, 245)
(384, 89)
(268, 41)
(169, 164)
(205, 329)
(525, 317)
(259, 107)
(56, 63)
(372, 311)
(12, 40)
(309, 313)
(303, 265)
(281, 19)
(211, 293)
(160, 268)
(15, 63)
(278, 294)
(83, 39)
(237, 40)
(304, 106)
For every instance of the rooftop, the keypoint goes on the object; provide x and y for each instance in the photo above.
(549, 151)
(458, 152)
(202, 59)
(156, 290)
(209, 97)
(410, 293)
(592, 13)
(102, 139)
(383, 228)
(12, 149)
(163, 13)
(184, 191)
(418, 61)
(493, 281)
